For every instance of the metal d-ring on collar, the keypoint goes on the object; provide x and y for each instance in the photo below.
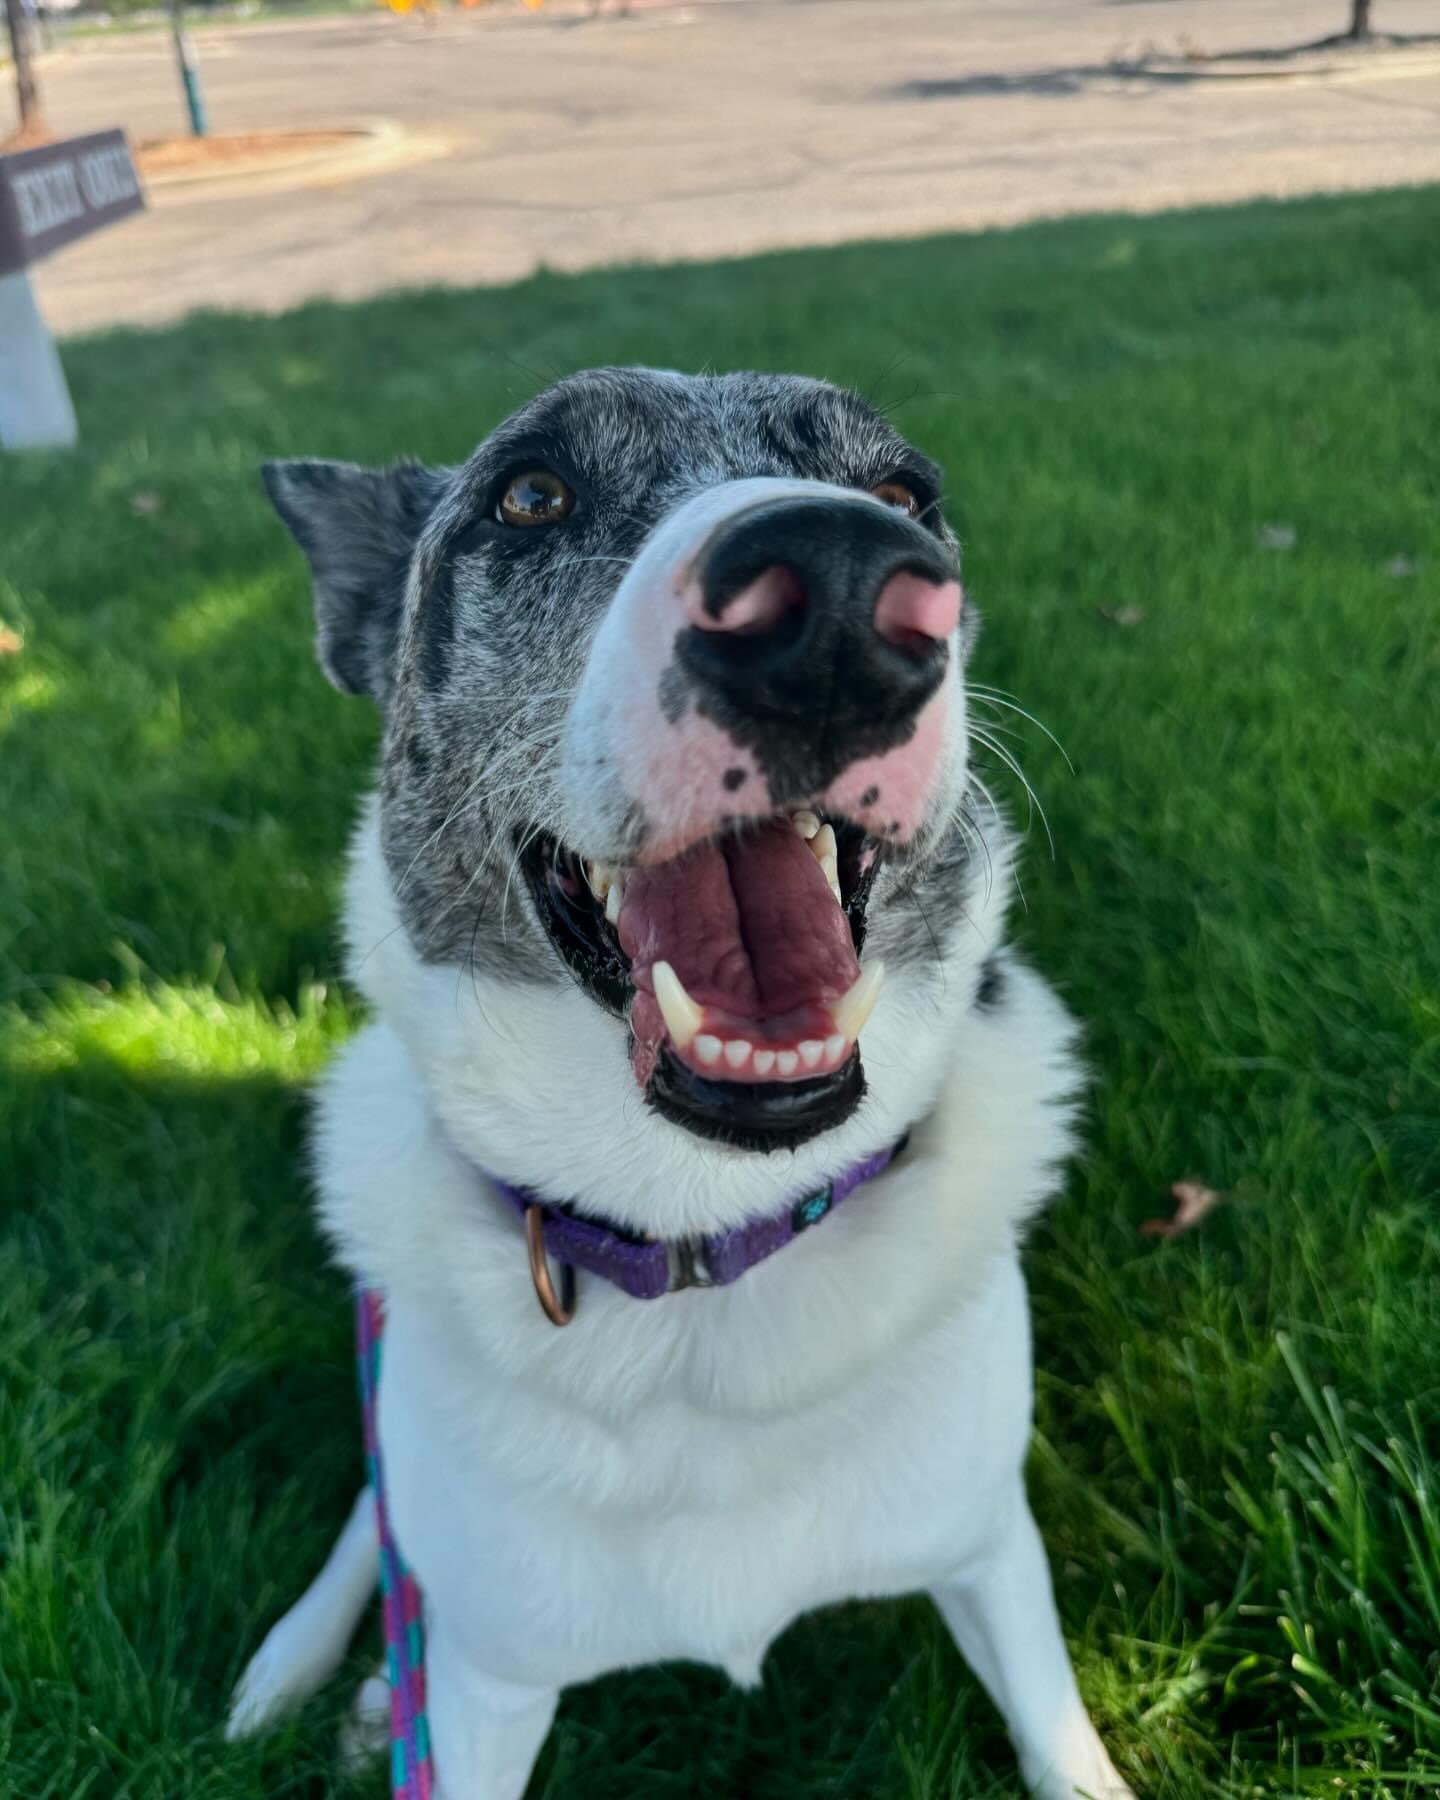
(646, 1268)
(559, 1309)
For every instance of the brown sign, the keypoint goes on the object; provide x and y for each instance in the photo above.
(60, 192)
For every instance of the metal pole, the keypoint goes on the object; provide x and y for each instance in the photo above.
(27, 89)
(188, 65)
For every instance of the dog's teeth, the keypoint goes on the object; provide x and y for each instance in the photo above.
(613, 898)
(788, 1061)
(737, 1053)
(707, 1048)
(834, 1048)
(828, 856)
(806, 822)
(810, 1053)
(851, 1013)
(682, 1015)
(600, 876)
(764, 1061)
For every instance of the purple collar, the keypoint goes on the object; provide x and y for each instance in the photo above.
(646, 1268)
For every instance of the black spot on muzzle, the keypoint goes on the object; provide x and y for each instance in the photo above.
(820, 686)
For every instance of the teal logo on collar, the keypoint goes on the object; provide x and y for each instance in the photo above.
(810, 1210)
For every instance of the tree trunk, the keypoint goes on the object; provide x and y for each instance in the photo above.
(1360, 19)
(27, 89)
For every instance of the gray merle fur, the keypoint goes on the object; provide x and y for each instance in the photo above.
(472, 635)
(358, 527)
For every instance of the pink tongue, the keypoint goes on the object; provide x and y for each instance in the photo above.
(749, 925)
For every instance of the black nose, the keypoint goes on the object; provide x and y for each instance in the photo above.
(791, 629)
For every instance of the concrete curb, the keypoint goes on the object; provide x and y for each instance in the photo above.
(375, 147)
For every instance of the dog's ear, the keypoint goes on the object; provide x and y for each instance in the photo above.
(358, 528)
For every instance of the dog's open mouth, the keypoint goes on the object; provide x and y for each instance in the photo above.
(736, 965)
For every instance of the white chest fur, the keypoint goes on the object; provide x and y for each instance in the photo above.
(682, 1477)
(707, 1529)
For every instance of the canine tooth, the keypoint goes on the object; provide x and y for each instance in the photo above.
(682, 1015)
(764, 1061)
(600, 876)
(737, 1053)
(828, 856)
(707, 1048)
(834, 1047)
(806, 822)
(810, 1052)
(851, 1013)
(788, 1061)
(613, 898)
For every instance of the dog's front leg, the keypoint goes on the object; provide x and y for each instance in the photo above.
(1002, 1615)
(485, 1734)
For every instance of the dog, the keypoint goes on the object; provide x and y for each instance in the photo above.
(681, 909)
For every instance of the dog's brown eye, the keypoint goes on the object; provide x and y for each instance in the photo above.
(896, 494)
(538, 497)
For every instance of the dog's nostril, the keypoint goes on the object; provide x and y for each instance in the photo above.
(755, 609)
(914, 611)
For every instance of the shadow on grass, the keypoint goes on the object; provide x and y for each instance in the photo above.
(194, 1330)
(189, 780)
(179, 1421)
(195, 1335)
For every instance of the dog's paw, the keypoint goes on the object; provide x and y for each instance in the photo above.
(261, 1696)
(305, 1648)
(295, 1659)
(1101, 1783)
(1089, 1787)
(271, 1686)
(366, 1733)
(1085, 1772)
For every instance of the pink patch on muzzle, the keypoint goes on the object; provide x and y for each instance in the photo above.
(888, 794)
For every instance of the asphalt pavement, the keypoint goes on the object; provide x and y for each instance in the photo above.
(510, 140)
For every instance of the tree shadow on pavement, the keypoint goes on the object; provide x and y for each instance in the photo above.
(1327, 57)
(1060, 82)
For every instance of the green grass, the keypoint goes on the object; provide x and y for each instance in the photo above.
(1239, 1432)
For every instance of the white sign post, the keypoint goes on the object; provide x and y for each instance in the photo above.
(49, 197)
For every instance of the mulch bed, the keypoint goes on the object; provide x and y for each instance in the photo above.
(183, 155)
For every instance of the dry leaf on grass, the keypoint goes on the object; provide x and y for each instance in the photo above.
(11, 642)
(1277, 537)
(146, 504)
(1192, 1202)
(1121, 615)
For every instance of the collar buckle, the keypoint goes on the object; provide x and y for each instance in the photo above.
(688, 1268)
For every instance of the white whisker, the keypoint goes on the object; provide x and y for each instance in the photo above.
(997, 698)
(998, 749)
